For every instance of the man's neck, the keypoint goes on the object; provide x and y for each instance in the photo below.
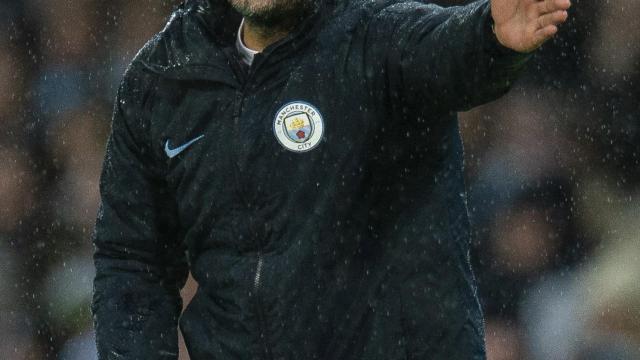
(257, 38)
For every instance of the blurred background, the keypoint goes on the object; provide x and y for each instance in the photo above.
(552, 168)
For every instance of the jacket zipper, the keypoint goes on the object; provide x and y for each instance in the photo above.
(237, 110)
(260, 311)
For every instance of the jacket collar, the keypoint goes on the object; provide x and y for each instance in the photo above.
(192, 44)
(219, 18)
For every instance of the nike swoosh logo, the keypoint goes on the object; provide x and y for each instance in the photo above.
(171, 153)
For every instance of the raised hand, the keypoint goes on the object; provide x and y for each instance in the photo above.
(523, 25)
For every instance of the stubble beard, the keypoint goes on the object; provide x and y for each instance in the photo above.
(273, 16)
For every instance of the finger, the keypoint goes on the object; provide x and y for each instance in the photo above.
(549, 6)
(554, 18)
(542, 35)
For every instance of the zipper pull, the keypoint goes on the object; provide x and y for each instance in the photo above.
(237, 105)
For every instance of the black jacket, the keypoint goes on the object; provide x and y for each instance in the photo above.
(334, 228)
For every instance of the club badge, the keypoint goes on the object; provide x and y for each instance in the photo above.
(298, 126)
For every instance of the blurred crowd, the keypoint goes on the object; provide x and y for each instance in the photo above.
(552, 168)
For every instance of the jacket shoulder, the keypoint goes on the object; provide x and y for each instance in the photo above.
(180, 41)
(157, 50)
(361, 13)
(369, 8)
(166, 50)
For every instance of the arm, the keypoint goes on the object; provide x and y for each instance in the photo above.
(139, 257)
(450, 59)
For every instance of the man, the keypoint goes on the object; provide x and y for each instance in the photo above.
(306, 165)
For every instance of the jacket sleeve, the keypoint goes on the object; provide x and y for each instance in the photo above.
(138, 253)
(446, 58)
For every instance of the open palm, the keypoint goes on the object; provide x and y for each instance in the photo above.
(523, 25)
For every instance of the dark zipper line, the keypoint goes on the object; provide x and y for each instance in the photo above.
(246, 78)
(257, 280)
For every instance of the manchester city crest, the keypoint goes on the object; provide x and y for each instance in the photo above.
(298, 126)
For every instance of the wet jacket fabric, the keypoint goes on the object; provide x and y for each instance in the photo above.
(317, 197)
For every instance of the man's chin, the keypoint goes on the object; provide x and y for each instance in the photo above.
(280, 15)
(274, 21)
